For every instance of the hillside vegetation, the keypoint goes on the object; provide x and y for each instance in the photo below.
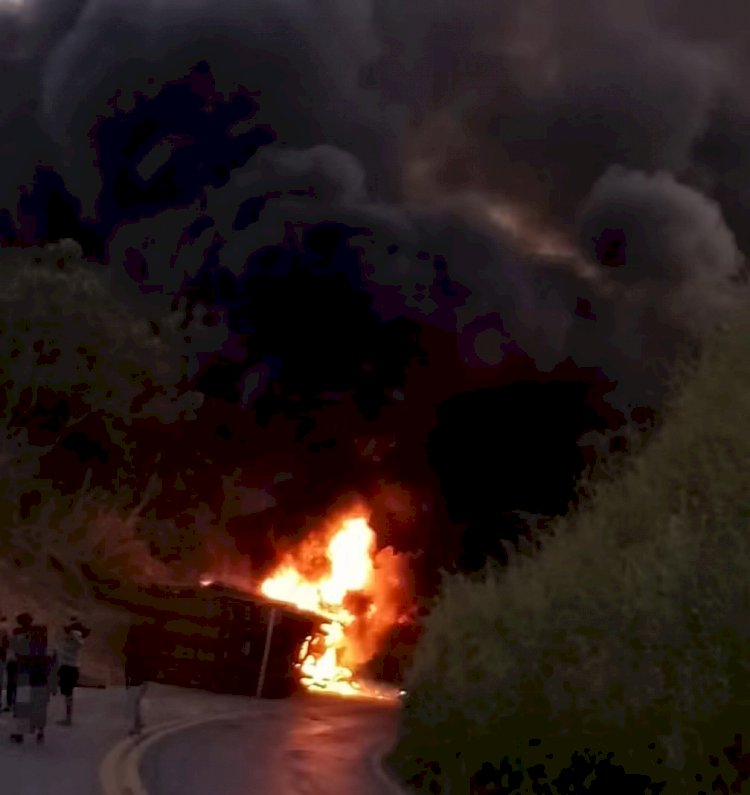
(77, 358)
(617, 658)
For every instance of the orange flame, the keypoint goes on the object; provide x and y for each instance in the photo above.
(341, 576)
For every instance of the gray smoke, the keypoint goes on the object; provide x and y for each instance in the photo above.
(302, 57)
(505, 135)
(676, 237)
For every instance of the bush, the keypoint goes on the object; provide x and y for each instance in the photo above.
(630, 628)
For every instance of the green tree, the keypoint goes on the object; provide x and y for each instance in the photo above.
(68, 337)
(74, 348)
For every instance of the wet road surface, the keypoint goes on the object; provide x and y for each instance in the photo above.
(301, 746)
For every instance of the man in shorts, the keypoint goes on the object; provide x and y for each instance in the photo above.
(69, 666)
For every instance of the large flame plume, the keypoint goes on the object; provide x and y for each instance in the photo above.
(340, 574)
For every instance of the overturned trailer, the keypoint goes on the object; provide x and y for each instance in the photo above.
(220, 639)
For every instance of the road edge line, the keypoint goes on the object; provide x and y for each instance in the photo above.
(109, 767)
(119, 771)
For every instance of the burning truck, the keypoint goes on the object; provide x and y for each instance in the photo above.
(219, 639)
(315, 621)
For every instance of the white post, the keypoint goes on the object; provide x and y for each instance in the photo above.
(264, 663)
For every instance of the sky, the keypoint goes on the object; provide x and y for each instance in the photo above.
(467, 232)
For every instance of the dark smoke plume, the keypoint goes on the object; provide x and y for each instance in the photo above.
(481, 151)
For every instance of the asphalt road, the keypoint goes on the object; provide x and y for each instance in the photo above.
(302, 746)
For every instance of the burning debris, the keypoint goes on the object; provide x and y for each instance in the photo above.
(339, 574)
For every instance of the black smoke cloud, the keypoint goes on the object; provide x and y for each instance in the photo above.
(533, 102)
(301, 58)
(473, 131)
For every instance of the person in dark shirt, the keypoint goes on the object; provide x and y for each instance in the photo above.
(4, 643)
(11, 669)
(34, 666)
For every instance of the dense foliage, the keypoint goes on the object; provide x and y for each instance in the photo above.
(627, 635)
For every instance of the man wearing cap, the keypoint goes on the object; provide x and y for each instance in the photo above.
(68, 660)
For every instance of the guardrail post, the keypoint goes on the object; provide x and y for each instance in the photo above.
(266, 650)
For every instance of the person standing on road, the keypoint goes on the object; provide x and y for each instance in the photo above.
(11, 668)
(136, 675)
(34, 666)
(40, 665)
(69, 666)
(3, 657)
(18, 649)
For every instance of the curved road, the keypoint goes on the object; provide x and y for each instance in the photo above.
(311, 745)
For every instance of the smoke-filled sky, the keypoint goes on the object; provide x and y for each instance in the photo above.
(526, 181)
